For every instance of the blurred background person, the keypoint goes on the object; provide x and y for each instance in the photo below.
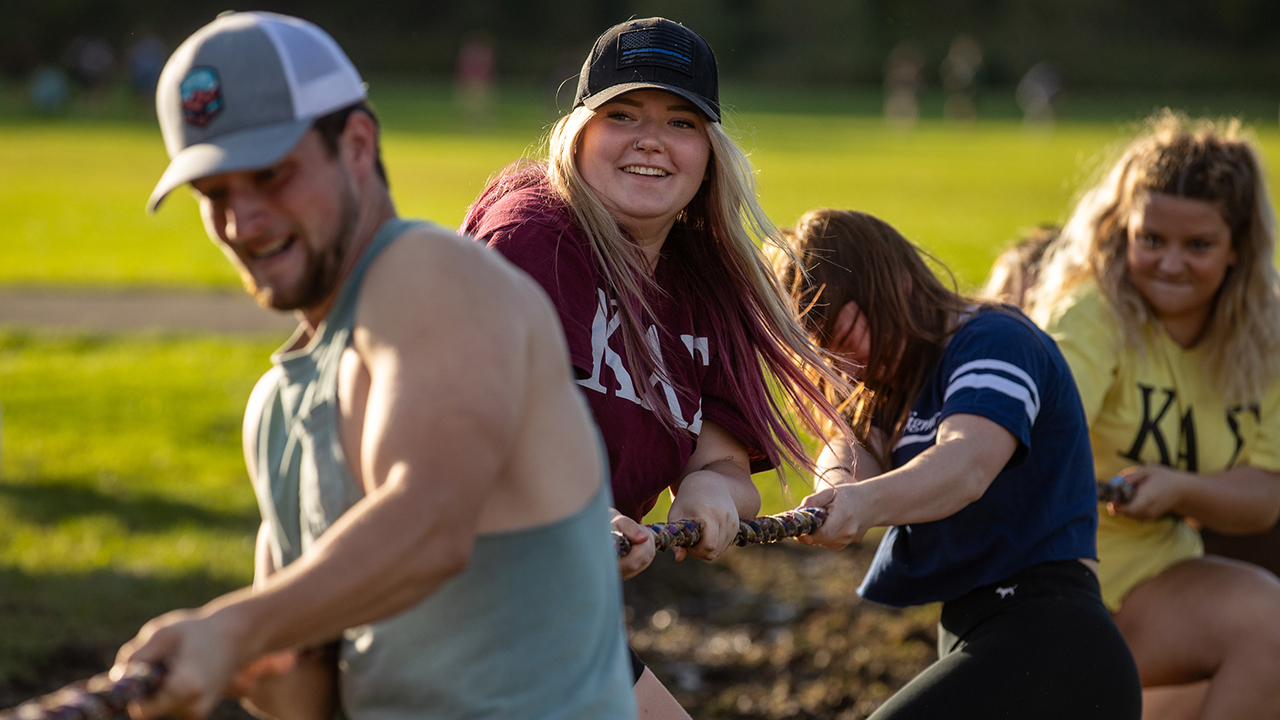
(959, 73)
(902, 83)
(474, 77)
(49, 90)
(145, 59)
(1017, 268)
(92, 60)
(1036, 94)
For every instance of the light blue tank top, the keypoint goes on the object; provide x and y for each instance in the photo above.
(531, 629)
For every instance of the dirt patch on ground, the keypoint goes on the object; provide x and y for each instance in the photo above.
(766, 632)
(775, 632)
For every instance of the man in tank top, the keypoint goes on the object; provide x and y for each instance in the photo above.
(429, 478)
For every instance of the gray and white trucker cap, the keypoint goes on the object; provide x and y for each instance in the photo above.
(243, 90)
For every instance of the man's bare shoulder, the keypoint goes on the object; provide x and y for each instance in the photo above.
(432, 271)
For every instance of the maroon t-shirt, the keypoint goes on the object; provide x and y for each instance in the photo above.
(537, 233)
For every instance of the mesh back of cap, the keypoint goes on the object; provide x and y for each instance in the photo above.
(307, 58)
(321, 77)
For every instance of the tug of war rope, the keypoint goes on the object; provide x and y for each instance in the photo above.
(768, 529)
(98, 698)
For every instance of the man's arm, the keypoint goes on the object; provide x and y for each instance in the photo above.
(288, 685)
(444, 351)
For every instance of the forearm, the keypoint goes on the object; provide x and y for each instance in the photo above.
(386, 554)
(1237, 501)
(934, 485)
(843, 463)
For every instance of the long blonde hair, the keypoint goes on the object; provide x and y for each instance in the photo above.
(750, 316)
(1197, 159)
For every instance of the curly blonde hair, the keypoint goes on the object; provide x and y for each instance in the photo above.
(1197, 159)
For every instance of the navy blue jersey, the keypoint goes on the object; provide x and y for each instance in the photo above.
(1043, 504)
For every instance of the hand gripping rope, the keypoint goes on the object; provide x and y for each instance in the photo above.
(99, 698)
(768, 529)
(1120, 491)
(1116, 490)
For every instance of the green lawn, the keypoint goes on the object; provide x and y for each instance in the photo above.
(122, 491)
(72, 189)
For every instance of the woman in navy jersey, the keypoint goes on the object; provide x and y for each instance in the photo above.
(641, 225)
(972, 449)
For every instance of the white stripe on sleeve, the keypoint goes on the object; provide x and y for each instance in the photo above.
(1002, 366)
(999, 383)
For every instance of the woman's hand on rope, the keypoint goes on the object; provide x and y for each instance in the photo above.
(845, 522)
(704, 497)
(1157, 490)
(642, 547)
(715, 489)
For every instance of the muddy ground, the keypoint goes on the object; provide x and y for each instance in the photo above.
(775, 632)
(765, 632)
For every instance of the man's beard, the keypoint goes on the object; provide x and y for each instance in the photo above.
(320, 275)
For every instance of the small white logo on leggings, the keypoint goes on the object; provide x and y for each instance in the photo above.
(1005, 592)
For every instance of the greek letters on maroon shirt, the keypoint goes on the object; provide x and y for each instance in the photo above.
(538, 235)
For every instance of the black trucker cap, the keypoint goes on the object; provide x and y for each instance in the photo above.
(650, 54)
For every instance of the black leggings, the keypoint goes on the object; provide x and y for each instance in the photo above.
(1039, 644)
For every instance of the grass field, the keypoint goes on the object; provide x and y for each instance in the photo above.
(72, 189)
(122, 491)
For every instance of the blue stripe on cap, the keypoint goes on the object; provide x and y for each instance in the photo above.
(685, 58)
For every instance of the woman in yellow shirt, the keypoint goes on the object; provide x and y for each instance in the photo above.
(1163, 297)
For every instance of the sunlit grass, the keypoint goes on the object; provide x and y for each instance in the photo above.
(122, 489)
(72, 190)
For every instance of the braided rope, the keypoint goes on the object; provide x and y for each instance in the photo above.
(99, 698)
(768, 529)
(1116, 490)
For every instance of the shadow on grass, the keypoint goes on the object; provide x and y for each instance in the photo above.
(56, 628)
(54, 500)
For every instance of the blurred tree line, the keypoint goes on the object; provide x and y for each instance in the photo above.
(1190, 44)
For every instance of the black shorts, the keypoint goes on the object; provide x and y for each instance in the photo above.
(1039, 644)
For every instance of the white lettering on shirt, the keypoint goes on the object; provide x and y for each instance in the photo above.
(603, 326)
(918, 430)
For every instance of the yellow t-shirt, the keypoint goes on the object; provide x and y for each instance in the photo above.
(1146, 408)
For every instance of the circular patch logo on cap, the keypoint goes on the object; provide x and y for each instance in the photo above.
(201, 96)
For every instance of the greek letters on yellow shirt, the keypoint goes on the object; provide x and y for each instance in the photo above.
(1153, 406)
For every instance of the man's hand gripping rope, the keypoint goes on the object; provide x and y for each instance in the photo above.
(768, 529)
